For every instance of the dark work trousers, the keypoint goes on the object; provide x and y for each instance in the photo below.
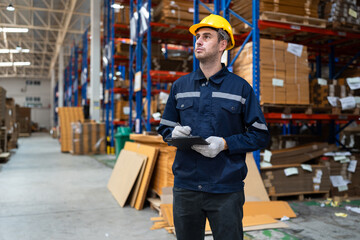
(224, 211)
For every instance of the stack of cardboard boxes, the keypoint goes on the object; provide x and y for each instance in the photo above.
(23, 116)
(67, 115)
(283, 71)
(11, 123)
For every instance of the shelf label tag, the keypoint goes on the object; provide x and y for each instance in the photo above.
(267, 156)
(332, 101)
(137, 85)
(322, 81)
(291, 171)
(343, 34)
(352, 166)
(306, 167)
(295, 27)
(352, 13)
(347, 103)
(286, 116)
(354, 83)
(277, 82)
(295, 49)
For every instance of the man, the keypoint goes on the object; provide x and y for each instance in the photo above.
(222, 108)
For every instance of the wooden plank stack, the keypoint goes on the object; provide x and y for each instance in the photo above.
(283, 75)
(289, 175)
(341, 168)
(67, 115)
(88, 138)
(162, 176)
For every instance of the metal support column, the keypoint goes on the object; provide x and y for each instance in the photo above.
(76, 77)
(52, 97)
(331, 62)
(318, 65)
(61, 77)
(139, 71)
(95, 7)
(148, 80)
(196, 20)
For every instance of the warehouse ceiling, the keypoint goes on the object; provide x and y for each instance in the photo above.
(51, 24)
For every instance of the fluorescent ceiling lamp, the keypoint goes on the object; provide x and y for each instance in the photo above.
(10, 7)
(14, 30)
(14, 51)
(117, 6)
(10, 64)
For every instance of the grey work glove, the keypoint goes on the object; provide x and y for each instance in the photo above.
(217, 144)
(180, 131)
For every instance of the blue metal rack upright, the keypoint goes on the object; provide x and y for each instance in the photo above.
(84, 69)
(143, 13)
(223, 6)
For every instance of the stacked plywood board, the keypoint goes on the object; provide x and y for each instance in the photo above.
(88, 138)
(67, 115)
(178, 12)
(162, 176)
(283, 71)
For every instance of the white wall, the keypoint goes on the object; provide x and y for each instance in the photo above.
(22, 93)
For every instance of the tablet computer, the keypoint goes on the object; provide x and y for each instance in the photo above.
(185, 143)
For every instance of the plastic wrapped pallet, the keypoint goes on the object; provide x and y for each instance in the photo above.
(67, 115)
(88, 138)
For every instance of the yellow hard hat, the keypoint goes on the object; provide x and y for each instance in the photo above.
(215, 21)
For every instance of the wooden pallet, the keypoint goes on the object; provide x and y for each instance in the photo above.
(299, 195)
(293, 19)
(346, 27)
(306, 109)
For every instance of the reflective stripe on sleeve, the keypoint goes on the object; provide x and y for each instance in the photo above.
(168, 123)
(261, 126)
(229, 96)
(187, 95)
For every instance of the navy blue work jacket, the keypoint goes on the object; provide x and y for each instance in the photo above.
(225, 106)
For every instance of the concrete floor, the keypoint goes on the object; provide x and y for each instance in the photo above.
(46, 194)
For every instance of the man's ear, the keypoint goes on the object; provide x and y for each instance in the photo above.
(223, 45)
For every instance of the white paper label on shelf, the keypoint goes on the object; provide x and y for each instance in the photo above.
(322, 81)
(329, 154)
(338, 180)
(191, 10)
(295, 49)
(332, 101)
(347, 103)
(137, 85)
(357, 100)
(156, 116)
(163, 97)
(316, 180)
(352, 13)
(347, 153)
(126, 110)
(339, 158)
(277, 82)
(345, 160)
(343, 34)
(291, 171)
(343, 188)
(316, 187)
(295, 27)
(265, 164)
(354, 83)
(286, 116)
(267, 156)
(352, 166)
(306, 167)
(319, 173)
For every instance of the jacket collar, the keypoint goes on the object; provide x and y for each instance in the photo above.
(216, 78)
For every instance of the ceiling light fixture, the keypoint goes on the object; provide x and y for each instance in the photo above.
(10, 7)
(14, 50)
(17, 64)
(117, 6)
(14, 30)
